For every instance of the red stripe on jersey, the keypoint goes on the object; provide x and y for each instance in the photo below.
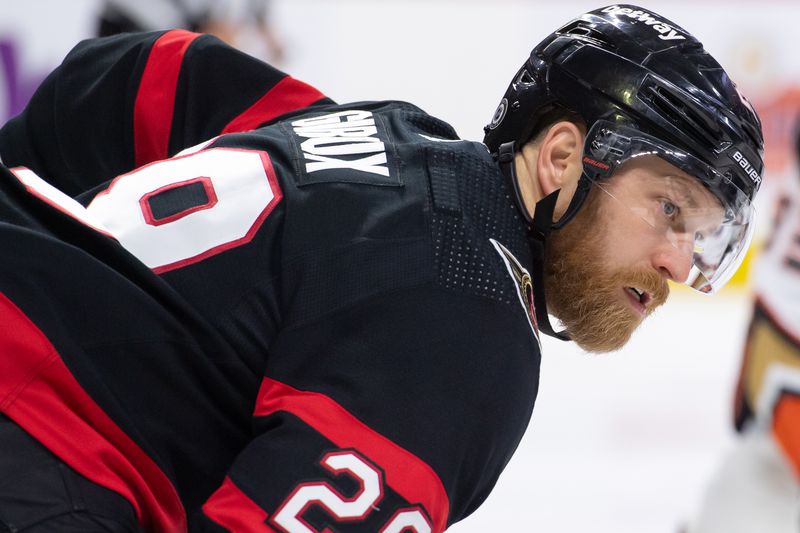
(40, 394)
(287, 95)
(407, 474)
(232, 509)
(155, 99)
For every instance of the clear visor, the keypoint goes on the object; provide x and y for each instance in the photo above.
(697, 209)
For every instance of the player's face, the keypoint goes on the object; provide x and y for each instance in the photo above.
(608, 268)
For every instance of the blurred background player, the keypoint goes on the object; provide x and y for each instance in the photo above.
(755, 489)
(245, 24)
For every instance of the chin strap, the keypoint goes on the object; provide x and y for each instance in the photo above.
(538, 230)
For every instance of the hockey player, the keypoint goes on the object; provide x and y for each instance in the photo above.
(375, 283)
(756, 487)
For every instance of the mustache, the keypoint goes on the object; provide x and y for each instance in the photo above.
(647, 280)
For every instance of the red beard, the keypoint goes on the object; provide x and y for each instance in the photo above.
(586, 294)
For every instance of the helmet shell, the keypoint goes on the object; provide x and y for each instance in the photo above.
(633, 67)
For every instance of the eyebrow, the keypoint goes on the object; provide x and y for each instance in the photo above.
(693, 187)
(685, 188)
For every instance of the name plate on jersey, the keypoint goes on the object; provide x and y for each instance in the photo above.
(344, 147)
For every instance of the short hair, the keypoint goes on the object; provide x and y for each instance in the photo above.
(550, 117)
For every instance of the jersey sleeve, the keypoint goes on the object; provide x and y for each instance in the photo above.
(120, 102)
(395, 415)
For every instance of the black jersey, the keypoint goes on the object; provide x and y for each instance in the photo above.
(120, 102)
(106, 365)
(362, 272)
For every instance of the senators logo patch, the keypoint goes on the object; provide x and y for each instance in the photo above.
(522, 282)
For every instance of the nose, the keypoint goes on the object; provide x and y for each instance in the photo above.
(673, 259)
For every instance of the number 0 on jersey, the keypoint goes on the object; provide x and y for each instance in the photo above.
(180, 211)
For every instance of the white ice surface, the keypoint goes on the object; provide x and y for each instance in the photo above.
(625, 442)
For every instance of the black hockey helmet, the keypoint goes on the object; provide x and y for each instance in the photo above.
(643, 85)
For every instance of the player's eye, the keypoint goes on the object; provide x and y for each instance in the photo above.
(669, 209)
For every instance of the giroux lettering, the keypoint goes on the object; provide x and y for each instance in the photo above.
(346, 133)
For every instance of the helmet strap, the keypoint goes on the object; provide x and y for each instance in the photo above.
(505, 156)
(578, 197)
(539, 228)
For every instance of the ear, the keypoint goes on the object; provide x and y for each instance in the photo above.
(559, 164)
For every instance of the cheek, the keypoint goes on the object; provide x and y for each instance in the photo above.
(627, 240)
(621, 249)
(631, 252)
